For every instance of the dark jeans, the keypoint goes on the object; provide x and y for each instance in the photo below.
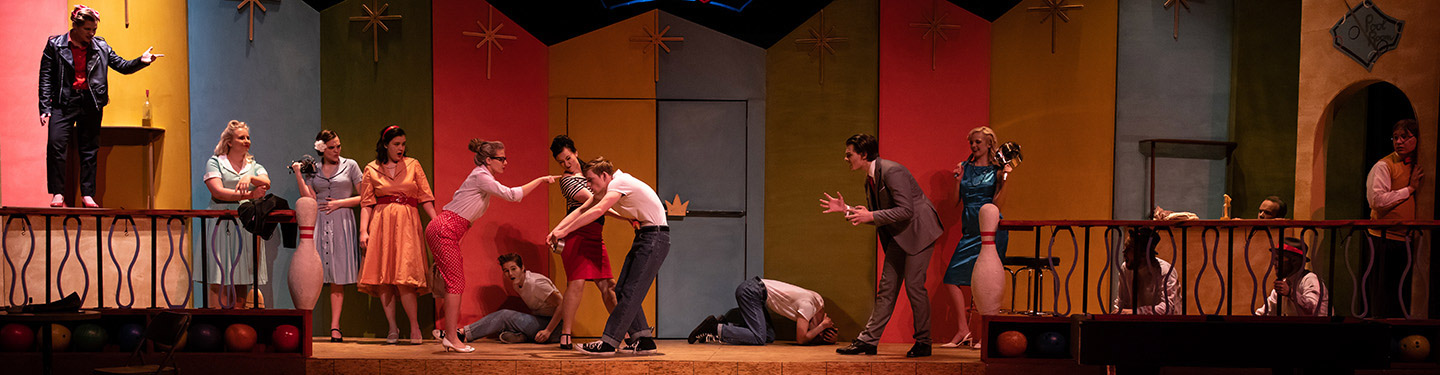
(754, 326)
(642, 264)
(83, 121)
(1385, 288)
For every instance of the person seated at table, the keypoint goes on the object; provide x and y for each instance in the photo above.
(1157, 284)
(1305, 294)
(539, 294)
(1272, 208)
(750, 324)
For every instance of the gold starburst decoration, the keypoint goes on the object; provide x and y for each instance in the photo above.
(1177, 4)
(374, 19)
(822, 39)
(1055, 12)
(241, 7)
(656, 41)
(676, 208)
(489, 37)
(935, 27)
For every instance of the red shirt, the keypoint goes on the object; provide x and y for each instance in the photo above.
(78, 52)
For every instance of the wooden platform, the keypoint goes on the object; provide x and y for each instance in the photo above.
(371, 356)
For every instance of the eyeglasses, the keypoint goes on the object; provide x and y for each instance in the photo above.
(500, 158)
(1401, 137)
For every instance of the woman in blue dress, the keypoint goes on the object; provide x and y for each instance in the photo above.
(334, 186)
(981, 179)
(232, 176)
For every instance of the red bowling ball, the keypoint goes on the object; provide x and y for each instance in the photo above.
(286, 339)
(239, 338)
(16, 338)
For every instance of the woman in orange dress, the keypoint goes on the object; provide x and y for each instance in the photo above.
(392, 192)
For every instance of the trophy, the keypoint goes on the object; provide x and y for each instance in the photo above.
(1008, 153)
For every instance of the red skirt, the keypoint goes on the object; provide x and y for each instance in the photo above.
(584, 254)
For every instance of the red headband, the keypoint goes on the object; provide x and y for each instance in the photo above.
(1292, 249)
(387, 130)
(76, 13)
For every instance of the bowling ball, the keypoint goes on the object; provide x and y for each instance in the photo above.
(286, 339)
(239, 338)
(88, 338)
(1414, 348)
(16, 337)
(59, 337)
(1011, 344)
(206, 338)
(1053, 343)
(129, 336)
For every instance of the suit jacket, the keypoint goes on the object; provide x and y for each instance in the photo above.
(903, 214)
(57, 72)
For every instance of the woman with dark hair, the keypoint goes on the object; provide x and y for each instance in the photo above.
(392, 192)
(584, 253)
(981, 180)
(468, 204)
(333, 185)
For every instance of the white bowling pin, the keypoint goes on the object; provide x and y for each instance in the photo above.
(307, 275)
(988, 278)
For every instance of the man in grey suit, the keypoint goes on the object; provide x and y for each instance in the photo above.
(907, 225)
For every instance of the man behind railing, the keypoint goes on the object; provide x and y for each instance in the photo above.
(1305, 294)
(1390, 189)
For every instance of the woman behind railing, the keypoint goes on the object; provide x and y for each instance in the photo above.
(232, 176)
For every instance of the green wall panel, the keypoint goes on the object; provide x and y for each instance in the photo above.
(359, 97)
(1265, 85)
(806, 127)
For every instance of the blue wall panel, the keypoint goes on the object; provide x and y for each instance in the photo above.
(1169, 88)
(272, 84)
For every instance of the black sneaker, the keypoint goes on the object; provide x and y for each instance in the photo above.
(706, 327)
(597, 347)
(644, 346)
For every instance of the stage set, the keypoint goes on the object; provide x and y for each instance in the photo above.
(1146, 160)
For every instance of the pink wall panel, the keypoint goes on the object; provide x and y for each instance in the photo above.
(925, 115)
(509, 107)
(22, 140)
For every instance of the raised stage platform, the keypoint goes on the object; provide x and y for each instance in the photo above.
(371, 356)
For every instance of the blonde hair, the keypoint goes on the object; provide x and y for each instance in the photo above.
(228, 135)
(989, 138)
(484, 150)
(80, 14)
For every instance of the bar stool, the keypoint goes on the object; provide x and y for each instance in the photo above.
(1036, 266)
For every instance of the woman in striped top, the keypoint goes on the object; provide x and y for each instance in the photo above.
(584, 250)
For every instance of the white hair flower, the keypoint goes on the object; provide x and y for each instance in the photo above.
(320, 146)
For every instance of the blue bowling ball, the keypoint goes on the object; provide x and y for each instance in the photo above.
(1053, 343)
(129, 336)
(204, 338)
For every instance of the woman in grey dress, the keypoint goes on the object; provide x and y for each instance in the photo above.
(333, 186)
(233, 177)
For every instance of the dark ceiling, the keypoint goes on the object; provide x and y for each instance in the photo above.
(758, 22)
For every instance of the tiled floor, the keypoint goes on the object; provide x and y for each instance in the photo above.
(369, 356)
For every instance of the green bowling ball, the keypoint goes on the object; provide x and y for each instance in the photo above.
(88, 338)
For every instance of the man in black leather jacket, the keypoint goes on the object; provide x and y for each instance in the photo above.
(73, 102)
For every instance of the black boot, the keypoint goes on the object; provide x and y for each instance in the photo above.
(858, 347)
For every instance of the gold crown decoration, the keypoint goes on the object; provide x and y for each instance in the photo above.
(676, 208)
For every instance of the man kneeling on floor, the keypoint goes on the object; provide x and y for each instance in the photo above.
(538, 292)
(749, 324)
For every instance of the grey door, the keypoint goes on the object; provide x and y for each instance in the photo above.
(701, 153)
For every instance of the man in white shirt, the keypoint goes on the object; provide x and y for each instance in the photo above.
(1390, 189)
(634, 200)
(1305, 294)
(1146, 278)
(539, 294)
(749, 324)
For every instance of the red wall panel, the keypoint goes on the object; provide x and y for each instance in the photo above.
(22, 140)
(510, 107)
(925, 115)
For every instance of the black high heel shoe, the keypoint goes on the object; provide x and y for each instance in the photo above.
(336, 331)
(565, 342)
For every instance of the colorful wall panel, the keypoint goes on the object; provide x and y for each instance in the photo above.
(711, 93)
(272, 84)
(807, 120)
(22, 141)
(1265, 71)
(360, 96)
(1328, 77)
(507, 106)
(1061, 108)
(926, 113)
(1171, 87)
(602, 93)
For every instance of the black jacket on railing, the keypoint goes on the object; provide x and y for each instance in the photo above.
(57, 72)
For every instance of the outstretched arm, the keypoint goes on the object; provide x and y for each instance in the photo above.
(593, 209)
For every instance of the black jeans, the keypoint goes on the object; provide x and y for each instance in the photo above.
(754, 326)
(81, 120)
